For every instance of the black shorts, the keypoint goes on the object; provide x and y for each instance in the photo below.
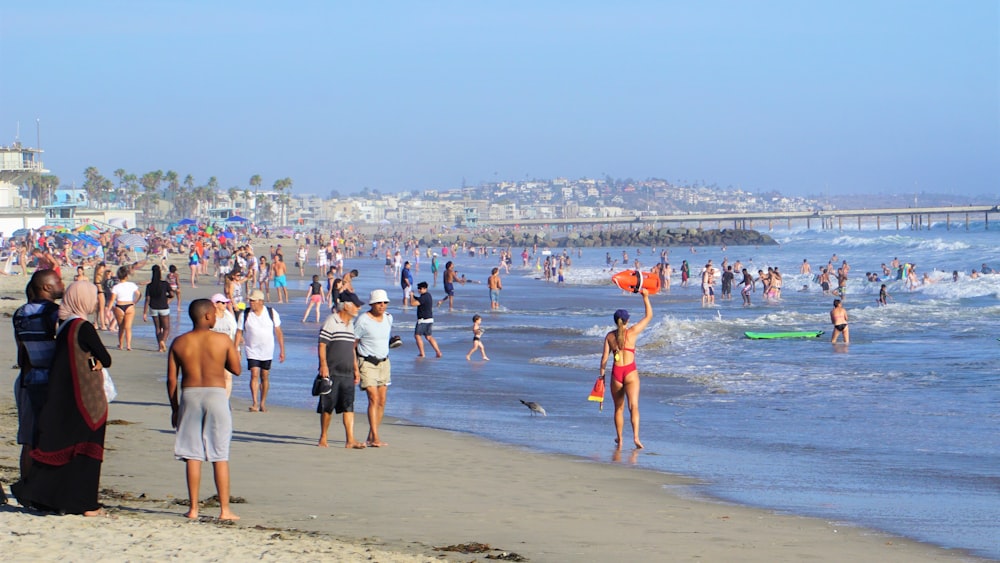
(262, 364)
(340, 399)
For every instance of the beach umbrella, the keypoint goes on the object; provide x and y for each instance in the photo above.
(88, 239)
(236, 219)
(20, 233)
(226, 234)
(85, 228)
(187, 222)
(132, 241)
(597, 393)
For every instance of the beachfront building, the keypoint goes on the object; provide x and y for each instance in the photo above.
(17, 165)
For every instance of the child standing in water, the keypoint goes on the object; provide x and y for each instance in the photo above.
(477, 338)
(314, 298)
(883, 296)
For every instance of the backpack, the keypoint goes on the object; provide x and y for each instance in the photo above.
(270, 314)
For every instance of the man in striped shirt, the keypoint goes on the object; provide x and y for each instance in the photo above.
(338, 362)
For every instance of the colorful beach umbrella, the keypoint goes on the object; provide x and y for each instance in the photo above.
(132, 241)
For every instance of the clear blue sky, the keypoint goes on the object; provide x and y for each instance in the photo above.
(803, 97)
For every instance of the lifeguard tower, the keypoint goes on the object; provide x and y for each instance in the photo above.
(17, 164)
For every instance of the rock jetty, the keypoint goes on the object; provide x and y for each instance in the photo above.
(664, 237)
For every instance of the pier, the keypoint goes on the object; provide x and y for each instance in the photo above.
(909, 218)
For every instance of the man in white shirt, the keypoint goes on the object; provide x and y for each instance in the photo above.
(372, 331)
(257, 328)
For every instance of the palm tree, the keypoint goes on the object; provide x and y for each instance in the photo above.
(255, 183)
(131, 189)
(280, 186)
(233, 192)
(120, 174)
(151, 184)
(47, 187)
(92, 184)
(173, 183)
(262, 208)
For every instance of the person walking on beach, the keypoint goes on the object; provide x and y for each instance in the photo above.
(450, 279)
(157, 302)
(280, 278)
(124, 296)
(199, 406)
(425, 319)
(406, 284)
(477, 338)
(624, 376)
(314, 298)
(35, 338)
(338, 363)
(838, 316)
(174, 281)
(257, 329)
(371, 332)
(495, 286)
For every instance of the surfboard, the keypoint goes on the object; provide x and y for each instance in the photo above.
(633, 280)
(787, 334)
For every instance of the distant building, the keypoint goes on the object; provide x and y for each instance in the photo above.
(17, 164)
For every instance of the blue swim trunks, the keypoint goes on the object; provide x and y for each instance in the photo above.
(280, 281)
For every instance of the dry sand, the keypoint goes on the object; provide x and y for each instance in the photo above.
(428, 489)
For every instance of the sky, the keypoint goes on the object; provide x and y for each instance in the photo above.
(805, 98)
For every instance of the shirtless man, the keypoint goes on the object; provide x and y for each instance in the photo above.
(200, 412)
(450, 278)
(805, 268)
(495, 286)
(838, 316)
(280, 277)
(842, 280)
(707, 282)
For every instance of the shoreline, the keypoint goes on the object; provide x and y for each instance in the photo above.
(428, 488)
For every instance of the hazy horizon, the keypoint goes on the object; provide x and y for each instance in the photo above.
(802, 98)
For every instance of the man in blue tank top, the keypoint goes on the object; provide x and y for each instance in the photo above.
(35, 325)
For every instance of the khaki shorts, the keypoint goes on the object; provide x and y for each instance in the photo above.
(375, 375)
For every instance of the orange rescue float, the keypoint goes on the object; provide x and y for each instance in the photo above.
(634, 280)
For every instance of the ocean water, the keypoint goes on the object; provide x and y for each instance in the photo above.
(899, 431)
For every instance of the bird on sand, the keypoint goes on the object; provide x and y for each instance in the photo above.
(533, 407)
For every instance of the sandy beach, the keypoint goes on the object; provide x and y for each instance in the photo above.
(427, 490)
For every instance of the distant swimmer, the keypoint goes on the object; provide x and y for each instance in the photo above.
(838, 316)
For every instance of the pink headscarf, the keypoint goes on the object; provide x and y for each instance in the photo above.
(79, 300)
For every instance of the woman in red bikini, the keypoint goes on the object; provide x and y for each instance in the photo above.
(620, 343)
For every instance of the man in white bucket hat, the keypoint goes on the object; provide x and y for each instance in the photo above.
(372, 331)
